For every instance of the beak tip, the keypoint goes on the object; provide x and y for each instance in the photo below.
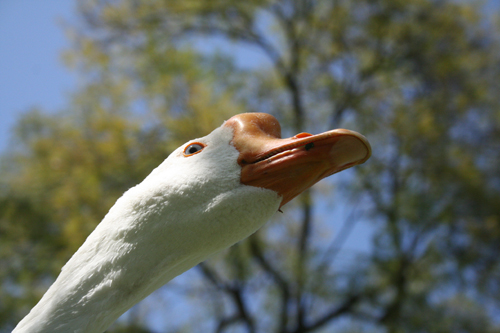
(351, 149)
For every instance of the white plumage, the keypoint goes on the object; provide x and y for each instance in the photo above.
(190, 207)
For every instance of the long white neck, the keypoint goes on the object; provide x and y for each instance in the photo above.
(131, 254)
(154, 232)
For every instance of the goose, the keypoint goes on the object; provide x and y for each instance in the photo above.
(207, 195)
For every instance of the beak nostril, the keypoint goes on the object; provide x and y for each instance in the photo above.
(309, 146)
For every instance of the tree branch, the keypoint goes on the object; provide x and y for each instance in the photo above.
(236, 295)
(280, 281)
(332, 314)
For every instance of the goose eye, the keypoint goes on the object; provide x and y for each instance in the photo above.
(193, 148)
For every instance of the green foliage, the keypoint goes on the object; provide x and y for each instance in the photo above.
(415, 76)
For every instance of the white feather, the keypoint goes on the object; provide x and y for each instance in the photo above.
(187, 209)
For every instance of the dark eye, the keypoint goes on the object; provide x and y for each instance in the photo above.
(193, 148)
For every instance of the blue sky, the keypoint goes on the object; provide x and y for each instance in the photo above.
(31, 72)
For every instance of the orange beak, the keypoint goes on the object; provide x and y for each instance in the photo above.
(290, 166)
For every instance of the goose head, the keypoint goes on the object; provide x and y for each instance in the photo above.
(241, 174)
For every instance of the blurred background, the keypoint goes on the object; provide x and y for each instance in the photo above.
(96, 93)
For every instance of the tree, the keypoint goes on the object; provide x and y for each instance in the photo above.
(417, 77)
